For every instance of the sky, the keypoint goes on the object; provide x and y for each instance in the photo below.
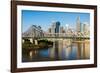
(45, 18)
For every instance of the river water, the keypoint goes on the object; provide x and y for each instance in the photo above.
(61, 50)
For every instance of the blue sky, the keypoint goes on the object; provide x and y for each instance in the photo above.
(45, 18)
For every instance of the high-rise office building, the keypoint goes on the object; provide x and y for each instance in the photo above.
(86, 29)
(55, 27)
(78, 25)
(49, 30)
(62, 30)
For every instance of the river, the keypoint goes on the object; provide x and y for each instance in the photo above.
(61, 50)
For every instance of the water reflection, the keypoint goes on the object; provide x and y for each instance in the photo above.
(61, 50)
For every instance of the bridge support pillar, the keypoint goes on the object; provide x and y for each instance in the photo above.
(36, 42)
(31, 40)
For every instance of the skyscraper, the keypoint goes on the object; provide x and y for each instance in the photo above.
(62, 30)
(49, 30)
(86, 29)
(78, 24)
(55, 27)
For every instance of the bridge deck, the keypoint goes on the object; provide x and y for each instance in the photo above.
(59, 37)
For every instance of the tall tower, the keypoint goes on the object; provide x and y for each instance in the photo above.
(78, 24)
(84, 28)
(55, 27)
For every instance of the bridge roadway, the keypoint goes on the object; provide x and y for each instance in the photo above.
(58, 37)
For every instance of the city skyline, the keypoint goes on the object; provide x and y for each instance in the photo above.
(45, 18)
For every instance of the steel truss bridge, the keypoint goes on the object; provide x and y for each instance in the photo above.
(59, 36)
